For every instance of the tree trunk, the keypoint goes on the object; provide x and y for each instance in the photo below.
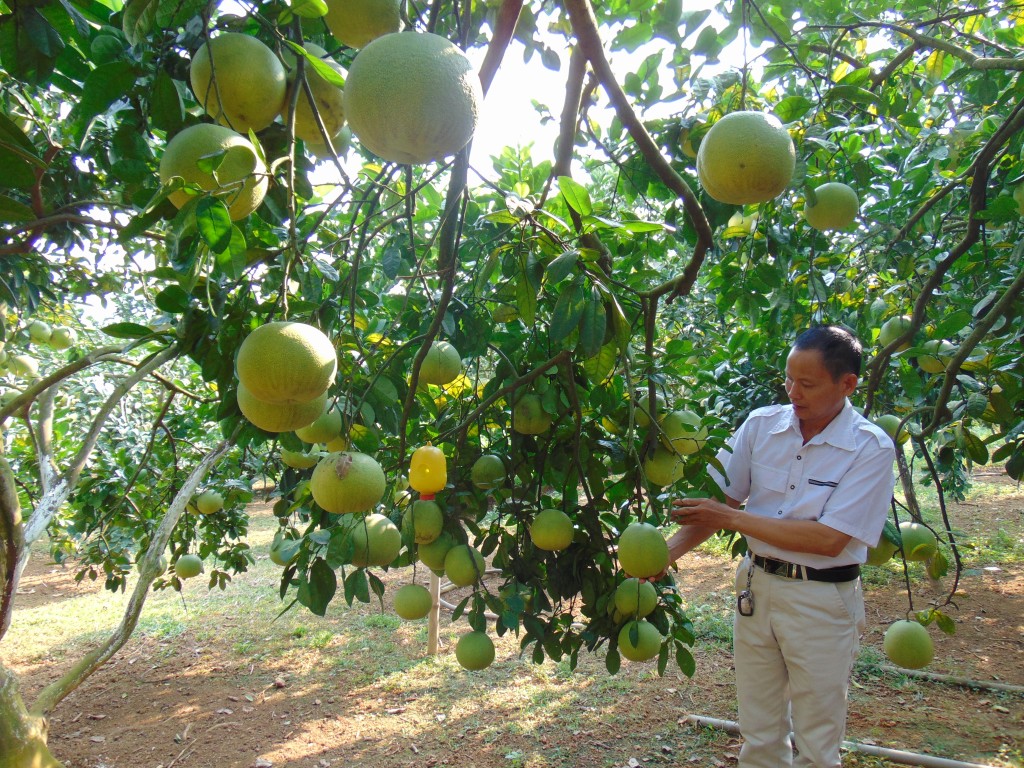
(907, 481)
(22, 735)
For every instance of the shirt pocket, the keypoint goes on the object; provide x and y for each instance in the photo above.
(767, 482)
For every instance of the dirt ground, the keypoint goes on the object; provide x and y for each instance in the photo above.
(192, 701)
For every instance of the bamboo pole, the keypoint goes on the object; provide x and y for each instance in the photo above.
(434, 620)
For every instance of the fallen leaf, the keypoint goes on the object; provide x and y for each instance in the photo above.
(262, 762)
(97, 739)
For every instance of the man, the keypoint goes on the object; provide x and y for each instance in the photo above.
(816, 478)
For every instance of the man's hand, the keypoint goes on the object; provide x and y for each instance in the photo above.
(704, 513)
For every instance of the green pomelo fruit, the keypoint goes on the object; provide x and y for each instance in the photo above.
(356, 22)
(475, 651)
(283, 550)
(529, 416)
(188, 566)
(635, 598)
(881, 553)
(442, 365)
(919, 543)
(664, 467)
(433, 554)
(890, 422)
(938, 354)
(376, 541)
(648, 642)
(643, 552)
(298, 459)
(835, 207)
(907, 644)
(488, 472)
(347, 482)
(326, 427)
(463, 565)
(39, 332)
(412, 601)
(551, 530)
(681, 431)
(423, 521)
(209, 502)
(892, 329)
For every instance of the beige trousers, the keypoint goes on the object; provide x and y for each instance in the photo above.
(793, 661)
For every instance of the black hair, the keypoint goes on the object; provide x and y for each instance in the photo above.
(841, 352)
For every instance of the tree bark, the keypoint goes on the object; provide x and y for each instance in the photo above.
(22, 735)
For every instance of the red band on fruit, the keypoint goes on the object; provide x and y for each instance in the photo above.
(427, 496)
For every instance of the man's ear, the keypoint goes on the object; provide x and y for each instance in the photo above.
(850, 382)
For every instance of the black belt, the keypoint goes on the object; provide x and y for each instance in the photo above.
(793, 571)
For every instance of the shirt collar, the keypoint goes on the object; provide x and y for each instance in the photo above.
(840, 432)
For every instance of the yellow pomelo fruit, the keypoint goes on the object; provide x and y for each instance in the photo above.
(239, 177)
(412, 601)
(347, 482)
(835, 206)
(908, 644)
(529, 416)
(635, 598)
(940, 352)
(919, 543)
(239, 81)
(326, 427)
(474, 651)
(648, 642)
(338, 444)
(643, 551)
(279, 417)
(375, 541)
(23, 366)
(412, 97)
(892, 329)
(551, 530)
(442, 365)
(328, 101)
(433, 554)
(357, 22)
(890, 422)
(488, 472)
(642, 414)
(209, 502)
(664, 467)
(463, 565)
(298, 459)
(681, 431)
(746, 157)
(423, 521)
(881, 553)
(188, 566)
(286, 362)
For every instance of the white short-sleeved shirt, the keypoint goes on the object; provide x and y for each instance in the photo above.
(842, 477)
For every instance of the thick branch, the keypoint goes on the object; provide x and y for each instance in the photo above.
(11, 541)
(504, 28)
(584, 24)
(54, 693)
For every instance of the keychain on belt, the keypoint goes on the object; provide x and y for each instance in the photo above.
(745, 599)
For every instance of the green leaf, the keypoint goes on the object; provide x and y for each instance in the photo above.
(214, 223)
(526, 299)
(576, 196)
(318, 65)
(165, 106)
(356, 587)
(792, 108)
(593, 324)
(562, 266)
(173, 299)
(854, 95)
(974, 446)
(137, 19)
(103, 86)
(234, 261)
(612, 662)
(602, 364)
(12, 210)
(685, 661)
(568, 310)
(127, 330)
(317, 591)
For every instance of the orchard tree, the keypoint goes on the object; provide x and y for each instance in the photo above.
(199, 194)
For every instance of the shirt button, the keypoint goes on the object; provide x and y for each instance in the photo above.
(792, 487)
(779, 512)
(799, 457)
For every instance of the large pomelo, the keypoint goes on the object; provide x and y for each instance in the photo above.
(643, 551)
(635, 598)
(746, 157)
(328, 99)
(442, 365)
(919, 543)
(279, 417)
(881, 553)
(209, 502)
(239, 81)
(664, 467)
(464, 565)
(529, 416)
(188, 566)
(347, 482)
(423, 521)
(908, 644)
(412, 601)
(648, 641)
(835, 206)
(325, 428)
(376, 541)
(357, 22)
(240, 178)
(412, 97)
(890, 422)
(892, 329)
(551, 530)
(488, 472)
(938, 354)
(434, 553)
(475, 651)
(286, 362)
(681, 431)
